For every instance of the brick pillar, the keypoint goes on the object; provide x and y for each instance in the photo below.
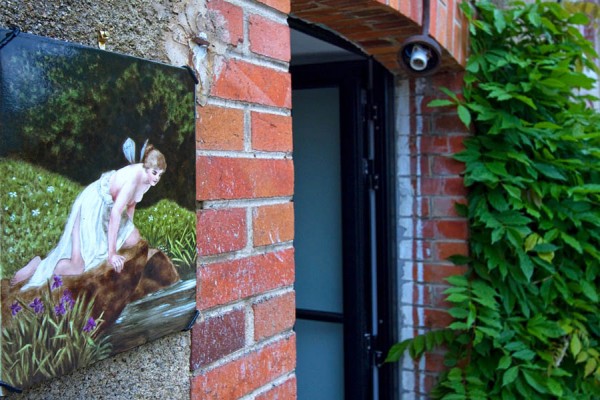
(243, 343)
(429, 185)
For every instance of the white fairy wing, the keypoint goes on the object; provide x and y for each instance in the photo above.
(143, 151)
(129, 150)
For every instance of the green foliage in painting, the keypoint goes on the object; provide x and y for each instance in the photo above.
(527, 313)
(36, 204)
(50, 336)
(70, 110)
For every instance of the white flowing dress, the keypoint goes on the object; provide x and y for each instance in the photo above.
(93, 205)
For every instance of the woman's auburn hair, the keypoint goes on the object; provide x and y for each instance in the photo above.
(153, 158)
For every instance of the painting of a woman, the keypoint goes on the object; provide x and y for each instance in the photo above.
(100, 223)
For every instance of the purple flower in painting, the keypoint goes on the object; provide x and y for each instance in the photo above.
(56, 282)
(90, 325)
(60, 309)
(67, 299)
(15, 308)
(37, 305)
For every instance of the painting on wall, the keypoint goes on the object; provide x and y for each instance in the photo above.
(98, 229)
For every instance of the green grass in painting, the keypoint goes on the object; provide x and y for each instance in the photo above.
(170, 228)
(50, 336)
(36, 204)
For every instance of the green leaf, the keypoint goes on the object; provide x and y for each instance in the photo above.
(571, 241)
(579, 19)
(510, 375)
(440, 103)
(550, 171)
(535, 381)
(589, 290)
(545, 248)
(397, 350)
(459, 259)
(590, 366)
(525, 355)
(464, 115)
(575, 345)
(555, 387)
(499, 22)
(505, 362)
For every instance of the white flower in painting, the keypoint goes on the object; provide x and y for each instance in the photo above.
(12, 194)
(35, 212)
(13, 217)
(14, 178)
(50, 189)
(151, 218)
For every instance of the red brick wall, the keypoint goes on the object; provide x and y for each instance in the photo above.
(243, 343)
(430, 229)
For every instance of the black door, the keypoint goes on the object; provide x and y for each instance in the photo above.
(344, 241)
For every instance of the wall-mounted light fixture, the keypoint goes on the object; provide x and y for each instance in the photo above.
(420, 54)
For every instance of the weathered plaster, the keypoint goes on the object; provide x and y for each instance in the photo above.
(197, 37)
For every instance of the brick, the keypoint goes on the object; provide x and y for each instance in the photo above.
(242, 81)
(221, 231)
(285, 391)
(448, 123)
(439, 273)
(269, 38)
(280, 5)
(228, 281)
(216, 337)
(434, 362)
(437, 318)
(443, 250)
(456, 144)
(220, 128)
(434, 144)
(452, 229)
(446, 206)
(443, 186)
(445, 165)
(271, 132)
(228, 17)
(273, 224)
(236, 178)
(274, 315)
(246, 374)
(436, 296)
(453, 81)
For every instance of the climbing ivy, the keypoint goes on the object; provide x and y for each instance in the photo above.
(527, 312)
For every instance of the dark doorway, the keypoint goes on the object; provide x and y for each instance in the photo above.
(344, 240)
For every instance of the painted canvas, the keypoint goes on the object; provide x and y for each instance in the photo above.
(98, 230)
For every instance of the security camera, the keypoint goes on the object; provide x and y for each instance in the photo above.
(420, 55)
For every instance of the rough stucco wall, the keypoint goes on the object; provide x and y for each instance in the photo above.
(158, 370)
(135, 27)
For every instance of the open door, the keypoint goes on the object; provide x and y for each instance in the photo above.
(344, 239)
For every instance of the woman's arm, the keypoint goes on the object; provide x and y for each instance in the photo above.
(131, 210)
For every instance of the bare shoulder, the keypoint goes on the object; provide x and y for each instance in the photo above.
(128, 175)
